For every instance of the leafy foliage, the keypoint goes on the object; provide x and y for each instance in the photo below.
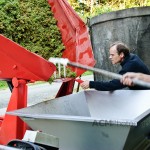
(69, 74)
(32, 25)
(90, 8)
(3, 84)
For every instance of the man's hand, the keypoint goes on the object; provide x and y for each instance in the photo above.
(127, 78)
(85, 84)
(127, 81)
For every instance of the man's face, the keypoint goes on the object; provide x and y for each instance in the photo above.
(114, 56)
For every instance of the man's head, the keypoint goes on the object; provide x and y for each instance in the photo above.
(117, 52)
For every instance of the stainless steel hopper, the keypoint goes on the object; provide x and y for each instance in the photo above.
(97, 120)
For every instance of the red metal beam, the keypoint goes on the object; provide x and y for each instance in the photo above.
(16, 61)
(20, 66)
(75, 35)
(13, 127)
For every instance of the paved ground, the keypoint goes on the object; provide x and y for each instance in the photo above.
(36, 93)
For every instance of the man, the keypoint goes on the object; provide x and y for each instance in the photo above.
(119, 53)
(127, 78)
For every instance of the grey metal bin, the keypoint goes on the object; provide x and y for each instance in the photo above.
(97, 120)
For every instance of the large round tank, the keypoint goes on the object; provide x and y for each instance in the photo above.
(131, 26)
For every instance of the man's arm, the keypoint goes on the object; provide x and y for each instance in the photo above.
(103, 86)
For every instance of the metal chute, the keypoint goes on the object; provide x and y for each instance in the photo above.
(93, 119)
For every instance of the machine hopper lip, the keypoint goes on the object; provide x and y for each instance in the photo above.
(142, 116)
(109, 111)
(125, 122)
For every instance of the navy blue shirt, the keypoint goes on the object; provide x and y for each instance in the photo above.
(131, 63)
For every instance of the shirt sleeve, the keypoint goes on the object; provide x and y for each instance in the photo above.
(107, 86)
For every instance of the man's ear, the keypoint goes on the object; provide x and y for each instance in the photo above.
(122, 55)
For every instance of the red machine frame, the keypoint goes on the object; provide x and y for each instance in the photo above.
(19, 66)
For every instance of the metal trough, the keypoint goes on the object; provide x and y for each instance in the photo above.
(98, 120)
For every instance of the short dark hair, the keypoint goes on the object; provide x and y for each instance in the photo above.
(121, 48)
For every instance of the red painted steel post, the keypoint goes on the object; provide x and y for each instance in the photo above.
(13, 127)
(75, 37)
(25, 66)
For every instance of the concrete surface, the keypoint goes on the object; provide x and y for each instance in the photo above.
(131, 26)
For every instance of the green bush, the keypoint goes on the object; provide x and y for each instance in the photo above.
(32, 25)
(89, 8)
(3, 84)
